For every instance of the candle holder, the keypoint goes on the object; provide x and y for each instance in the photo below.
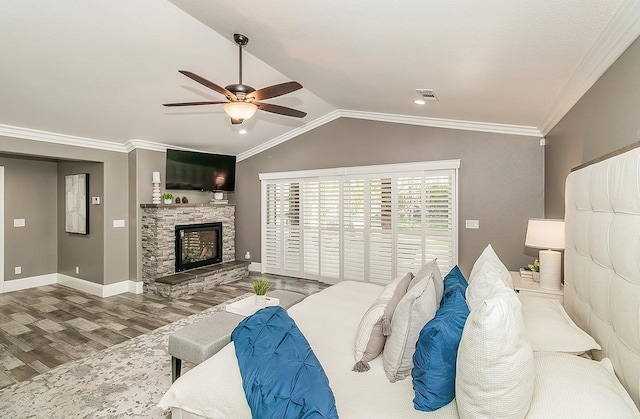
(156, 193)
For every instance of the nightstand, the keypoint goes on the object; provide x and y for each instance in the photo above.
(530, 287)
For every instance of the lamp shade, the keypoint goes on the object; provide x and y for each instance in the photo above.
(240, 110)
(545, 234)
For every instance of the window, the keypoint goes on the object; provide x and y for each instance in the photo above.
(369, 223)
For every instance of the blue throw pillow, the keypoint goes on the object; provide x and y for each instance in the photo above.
(454, 281)
(434, 371)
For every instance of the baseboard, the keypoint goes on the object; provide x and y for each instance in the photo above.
(75, 283)
(255, 267)
(30, 282)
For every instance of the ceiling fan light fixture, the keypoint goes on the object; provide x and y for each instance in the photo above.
(240, 110)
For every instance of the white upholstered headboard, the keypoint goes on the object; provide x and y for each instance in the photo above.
(602, 260)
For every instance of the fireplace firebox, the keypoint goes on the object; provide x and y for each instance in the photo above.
(198, 245)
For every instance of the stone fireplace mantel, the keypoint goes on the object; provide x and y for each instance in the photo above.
(158, 235)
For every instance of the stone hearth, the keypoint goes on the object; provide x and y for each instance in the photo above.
(158, 249)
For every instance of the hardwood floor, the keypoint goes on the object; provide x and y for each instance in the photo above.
(41, 328)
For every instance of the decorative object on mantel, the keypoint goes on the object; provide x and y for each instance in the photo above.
(260, 287)
(167, 198)
(547, 234)
(185, 200)
(178, 201)
(156, 188)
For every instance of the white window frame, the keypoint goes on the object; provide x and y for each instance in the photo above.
(388, 170)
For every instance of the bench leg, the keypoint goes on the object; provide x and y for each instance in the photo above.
(176, 367)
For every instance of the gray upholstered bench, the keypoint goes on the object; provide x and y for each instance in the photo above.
(199, 341)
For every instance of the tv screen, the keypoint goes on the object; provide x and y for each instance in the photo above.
(200, 171)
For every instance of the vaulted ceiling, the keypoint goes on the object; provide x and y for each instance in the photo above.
(98, 72)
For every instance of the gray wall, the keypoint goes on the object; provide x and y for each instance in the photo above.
(30, 193)
(85, 251)
(500, 180)
(605, 119)
(115, 198)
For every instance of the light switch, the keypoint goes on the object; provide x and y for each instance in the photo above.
(474, 224)
(118, 223)
(95, 200)
(19, 222)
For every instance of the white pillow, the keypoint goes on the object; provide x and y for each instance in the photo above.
(569, 386)
(415, 309)
(485, 281)
(431, 269)
(549, 328)
(370, 338)
(489, 255)
(494, 369)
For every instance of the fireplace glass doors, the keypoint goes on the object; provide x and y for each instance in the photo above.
(198, 245)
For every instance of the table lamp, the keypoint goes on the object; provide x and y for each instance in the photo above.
(549, 235)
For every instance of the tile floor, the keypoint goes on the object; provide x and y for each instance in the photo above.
(41, 328)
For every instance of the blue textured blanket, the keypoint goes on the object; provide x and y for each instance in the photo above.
(281, 376)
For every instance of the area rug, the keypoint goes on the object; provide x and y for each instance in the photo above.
(125, 380)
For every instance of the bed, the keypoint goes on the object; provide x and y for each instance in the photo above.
(602, 296)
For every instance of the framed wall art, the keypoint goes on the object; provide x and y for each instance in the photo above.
(76, 203)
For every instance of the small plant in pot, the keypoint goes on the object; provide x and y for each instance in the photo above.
(535, 268)
(167, 198)
(260, 287)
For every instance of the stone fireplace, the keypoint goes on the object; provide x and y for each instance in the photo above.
(161, 223)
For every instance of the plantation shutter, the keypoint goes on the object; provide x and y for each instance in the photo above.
(368, 223)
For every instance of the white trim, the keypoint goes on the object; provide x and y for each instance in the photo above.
(524, 130)
(623, 29)
(135, 287)
(75, 141)
(75, 283)
(30, 282)
(289, 135)
(399, 119)
(1, 229)
(356, 170)
(255, 267)
(56, 138)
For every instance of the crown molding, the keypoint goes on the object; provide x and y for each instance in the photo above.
(289, 135)
(146, 145)
(444, 123)
(623, 29)
(399, 119)
(56, 138)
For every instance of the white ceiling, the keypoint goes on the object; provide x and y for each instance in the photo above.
(100, 70)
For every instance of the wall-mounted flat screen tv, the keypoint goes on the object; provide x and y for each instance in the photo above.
(200, 171)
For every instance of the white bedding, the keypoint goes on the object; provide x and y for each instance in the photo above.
(329, 320)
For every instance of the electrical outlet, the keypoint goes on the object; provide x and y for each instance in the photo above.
(77, 269)
(247, 255)
(474, 224)
(18, 270)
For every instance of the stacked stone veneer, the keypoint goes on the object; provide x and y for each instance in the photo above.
(158, 235)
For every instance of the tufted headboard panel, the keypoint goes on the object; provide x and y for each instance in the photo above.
(602, 260)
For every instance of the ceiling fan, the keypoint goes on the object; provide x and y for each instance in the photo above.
(243, 100)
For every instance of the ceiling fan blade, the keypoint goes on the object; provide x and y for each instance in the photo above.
(236, 121)
(209, 84)
(194, 103)
(276, 90)
(282, 110)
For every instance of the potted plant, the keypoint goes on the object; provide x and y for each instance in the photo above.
(260, 287)
(167, 198)
(535, 268)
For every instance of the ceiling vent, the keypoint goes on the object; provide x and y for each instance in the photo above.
(427, 94)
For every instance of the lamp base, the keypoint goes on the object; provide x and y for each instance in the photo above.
(550, 269)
